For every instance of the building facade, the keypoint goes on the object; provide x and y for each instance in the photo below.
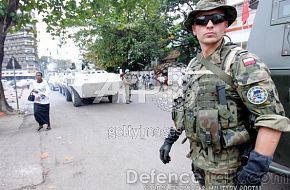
(23, 46)
(239, 32)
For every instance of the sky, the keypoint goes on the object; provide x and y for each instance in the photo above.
(49, 47)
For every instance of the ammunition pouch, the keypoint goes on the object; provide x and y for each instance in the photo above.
(209, 131)
(213, 137)
(235, 136)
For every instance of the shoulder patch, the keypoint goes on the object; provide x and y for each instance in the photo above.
(249, 61)
(257, 95)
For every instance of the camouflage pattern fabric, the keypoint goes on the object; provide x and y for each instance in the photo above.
(127, 80)
(208, 129)
(235, 136)
(247, 72)
(207, 5)
(270, 113)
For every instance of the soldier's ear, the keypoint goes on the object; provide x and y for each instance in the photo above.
(226, 24)
(193, 29)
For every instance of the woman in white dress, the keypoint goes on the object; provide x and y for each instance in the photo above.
(41, 90)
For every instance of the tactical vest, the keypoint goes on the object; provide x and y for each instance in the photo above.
(215, 117)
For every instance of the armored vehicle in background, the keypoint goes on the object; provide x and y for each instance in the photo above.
(87, 86)
(53, 81)
(270, 40)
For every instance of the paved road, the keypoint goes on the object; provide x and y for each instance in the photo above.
(98, 146)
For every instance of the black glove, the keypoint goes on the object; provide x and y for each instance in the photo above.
(166, 147)
(251, 174)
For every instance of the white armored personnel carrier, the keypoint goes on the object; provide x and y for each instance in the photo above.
(88, 86)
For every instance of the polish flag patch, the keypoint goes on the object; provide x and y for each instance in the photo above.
(249, 61)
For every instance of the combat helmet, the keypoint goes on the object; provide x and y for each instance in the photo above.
(208, 5)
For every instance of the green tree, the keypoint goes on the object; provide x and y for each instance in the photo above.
(126, 34)
(181, 39)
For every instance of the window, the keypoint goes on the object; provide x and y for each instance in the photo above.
(280, 12)
(284, 9)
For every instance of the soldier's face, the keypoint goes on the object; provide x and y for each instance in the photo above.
(211, 32)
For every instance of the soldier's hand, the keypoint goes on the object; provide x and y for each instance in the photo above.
(164, 153)
(166, 147)
(252, 173)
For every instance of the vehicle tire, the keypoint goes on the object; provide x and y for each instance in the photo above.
(68, 97)
(51, 87)
(60, 89)
(76, 99)
(113, 98)
(63, 91)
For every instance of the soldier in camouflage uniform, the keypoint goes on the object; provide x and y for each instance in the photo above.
(229, 109)
(127, 80)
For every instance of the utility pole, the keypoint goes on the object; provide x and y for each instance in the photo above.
(13, 65)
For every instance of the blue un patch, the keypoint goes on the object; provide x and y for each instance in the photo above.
(257, 95)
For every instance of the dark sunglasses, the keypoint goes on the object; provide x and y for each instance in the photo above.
(215, 19)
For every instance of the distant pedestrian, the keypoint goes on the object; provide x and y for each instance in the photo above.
(147, 81)
(134, 82)
(161, 80)
(41, 90)
(140, 81)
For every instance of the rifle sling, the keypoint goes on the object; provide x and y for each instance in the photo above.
(220, 73)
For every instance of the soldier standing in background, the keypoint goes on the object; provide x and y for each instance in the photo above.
(127, 80)
(229, 109)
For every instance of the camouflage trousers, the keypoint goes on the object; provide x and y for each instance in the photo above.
(215, 181)
(127, 92)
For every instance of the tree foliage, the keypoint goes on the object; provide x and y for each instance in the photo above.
(181, 40)
(132, 33)
(126, 34)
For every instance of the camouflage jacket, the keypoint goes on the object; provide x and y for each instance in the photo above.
(127, 79)
(254, 93)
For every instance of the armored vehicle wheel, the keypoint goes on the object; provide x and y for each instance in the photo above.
(52, 88)
(110, 98)
(63, 90)
(68, 95)
(60, 89)
(113, 98)
(76, 99)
